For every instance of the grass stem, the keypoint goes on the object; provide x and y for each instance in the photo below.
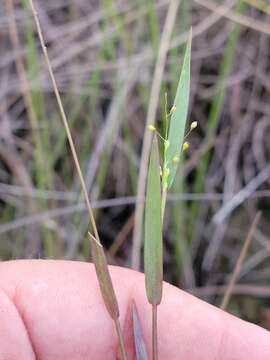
(121, 340)
(102, 271)
(64, 119)
(154, 333)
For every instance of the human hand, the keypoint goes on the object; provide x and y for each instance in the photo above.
(54, 310)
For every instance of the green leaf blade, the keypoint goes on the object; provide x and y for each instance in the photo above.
(178, 117)
(153, 253)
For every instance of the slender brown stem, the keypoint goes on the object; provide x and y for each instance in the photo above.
(101, 256)
(121, 340)
(64, 119)
(154, 333)
(237, 268)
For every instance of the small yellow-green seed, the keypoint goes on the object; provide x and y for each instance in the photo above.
(185, 146)
(193, 125)
(173, 109)
(151, 128)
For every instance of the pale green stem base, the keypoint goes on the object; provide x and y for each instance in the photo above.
(154, 333)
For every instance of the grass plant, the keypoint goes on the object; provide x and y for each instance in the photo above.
(158, 183)
(124, 41)
(155, 203)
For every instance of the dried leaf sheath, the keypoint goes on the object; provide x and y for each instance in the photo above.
(104, 278)
(153, 261)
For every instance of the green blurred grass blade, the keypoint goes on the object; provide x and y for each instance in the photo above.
(178, 119)
(153, 230)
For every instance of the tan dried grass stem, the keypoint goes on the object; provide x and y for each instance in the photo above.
(64, 119)
(104, 278)
(237, 268)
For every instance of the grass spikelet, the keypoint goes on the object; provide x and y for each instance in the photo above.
(178, 118)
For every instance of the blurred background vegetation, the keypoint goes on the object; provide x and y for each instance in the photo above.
(104, 54)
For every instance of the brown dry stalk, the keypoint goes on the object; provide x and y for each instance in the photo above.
(24, 84)
(241, 19)
(101, 266)
(11, 158)
(237, 268)
(121, 236)
(18, 168)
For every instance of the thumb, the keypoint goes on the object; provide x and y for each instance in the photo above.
(54, 310)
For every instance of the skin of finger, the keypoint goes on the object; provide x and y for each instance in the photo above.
(62, 309)
(13, 331)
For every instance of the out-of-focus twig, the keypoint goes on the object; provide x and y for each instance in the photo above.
(106, 203)
(122, 235)
(234, 16)
(24, 84)
(260, 5)
(229, 289)
(250, 289)
(241, 196)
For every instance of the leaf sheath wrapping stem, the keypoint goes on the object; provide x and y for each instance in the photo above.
(153, 258)
(104, 278)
